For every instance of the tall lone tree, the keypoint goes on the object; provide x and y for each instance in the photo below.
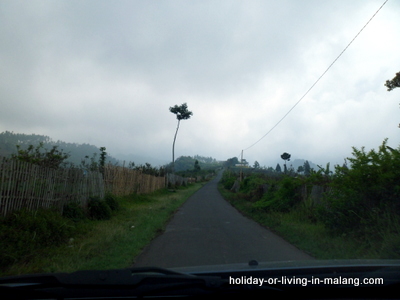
(286, 157)
(182, 113)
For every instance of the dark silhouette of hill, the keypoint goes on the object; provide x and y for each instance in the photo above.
(77, 152)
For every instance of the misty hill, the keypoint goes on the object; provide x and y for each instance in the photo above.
(186, 163)
(77, 152)
(299, 162)
(139, 159)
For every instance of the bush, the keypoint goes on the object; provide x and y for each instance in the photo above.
(74, 212)
(251, 183)
(372, 183)
(111, 201)
(340, 211)
(24, 233)
(268, 200)
(228, 179)
(282, 198)
(374, 175)
(98, 209)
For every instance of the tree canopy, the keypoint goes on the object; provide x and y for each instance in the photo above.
(39, 156)
(394, 83)
(181, 112)
(231, 162)
(285, 156)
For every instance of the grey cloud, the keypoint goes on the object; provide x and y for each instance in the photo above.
(106, 72)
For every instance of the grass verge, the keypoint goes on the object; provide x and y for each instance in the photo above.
(109, 244)
(313, 238)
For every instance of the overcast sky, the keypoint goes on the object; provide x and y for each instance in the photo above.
(106, 73)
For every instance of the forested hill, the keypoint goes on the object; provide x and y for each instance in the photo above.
(77, 152)
(187, 163)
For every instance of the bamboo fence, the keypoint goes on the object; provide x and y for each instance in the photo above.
(25, 185)
(121, 181)
(176, 180)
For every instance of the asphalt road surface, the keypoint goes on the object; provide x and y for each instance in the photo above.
(207, 230)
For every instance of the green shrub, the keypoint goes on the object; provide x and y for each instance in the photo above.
(340, 211)
(24, 232)
(111, 201)
(74, 211)
(371, 184)
(228, 179)
(228, 184)
(98, 209)
(281, 198)
(251, 183)
(267, 201)
(374, 175)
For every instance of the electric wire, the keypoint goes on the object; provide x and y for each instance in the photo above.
(319, 78)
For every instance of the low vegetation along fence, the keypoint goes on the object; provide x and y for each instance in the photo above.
(123, 181)
(25, 185)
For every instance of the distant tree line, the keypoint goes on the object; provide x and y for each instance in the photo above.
(304, 169)
(197, 162)
(75, 152)
(42, 150)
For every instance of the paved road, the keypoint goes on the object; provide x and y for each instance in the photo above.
(207, 230)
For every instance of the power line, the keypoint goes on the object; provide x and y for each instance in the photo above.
(319, 78)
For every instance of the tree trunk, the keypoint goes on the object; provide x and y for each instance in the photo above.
(173, 149)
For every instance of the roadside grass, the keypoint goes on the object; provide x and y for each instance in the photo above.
(313, 237)
(110, 244)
